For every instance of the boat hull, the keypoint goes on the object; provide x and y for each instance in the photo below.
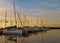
(12, 32)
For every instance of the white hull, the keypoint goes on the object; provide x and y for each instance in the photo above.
(18, 31)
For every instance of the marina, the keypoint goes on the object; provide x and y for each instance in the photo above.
(22, 31)
(39, 37)
(29, 21)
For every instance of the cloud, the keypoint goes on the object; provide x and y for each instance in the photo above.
(5, 4)
(35, 7)
(42, 12)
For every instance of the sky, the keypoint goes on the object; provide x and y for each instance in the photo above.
(50, 9)
(36, 7)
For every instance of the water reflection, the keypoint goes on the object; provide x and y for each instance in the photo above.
(15, 38)
(43, 37)
(51, 36)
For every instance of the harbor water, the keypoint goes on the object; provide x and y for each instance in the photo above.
(50, 36)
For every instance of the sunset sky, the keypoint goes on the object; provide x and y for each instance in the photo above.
(48, 9)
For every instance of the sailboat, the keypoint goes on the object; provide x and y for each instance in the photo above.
(36, 28)
(12, 29)
(43, 28)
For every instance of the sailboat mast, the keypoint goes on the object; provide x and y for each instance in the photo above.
(38, 21)
(31, 22)
(11, 22)
(25, 20)
(46, 23)
(5, 17)
(20, 20)
(41, 22)
(14, 12)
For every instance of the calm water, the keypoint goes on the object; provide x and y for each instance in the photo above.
(51, 36)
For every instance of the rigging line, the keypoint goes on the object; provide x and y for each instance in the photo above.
(20, 20)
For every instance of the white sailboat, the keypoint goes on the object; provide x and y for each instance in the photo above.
(43, 27)
(12, 30)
